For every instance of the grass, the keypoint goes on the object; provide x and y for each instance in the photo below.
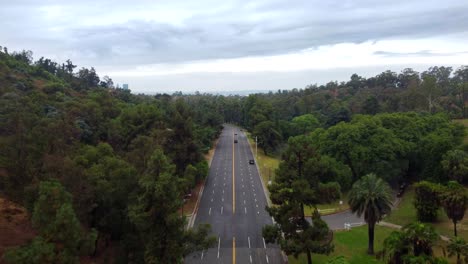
(335, 205)
(352, 245)
(405, 213)
(266, 164)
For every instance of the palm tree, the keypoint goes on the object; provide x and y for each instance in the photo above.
(371, 197)
(459, 248)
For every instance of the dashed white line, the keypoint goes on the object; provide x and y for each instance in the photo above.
(222, 199)
(202, 254)
(248, 239)
(222, 209)
(245, 210)
(264, 244)
(219, 244)
(250, 258)
(244, 201)
(209, 212)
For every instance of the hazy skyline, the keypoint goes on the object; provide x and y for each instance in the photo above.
(210, 46)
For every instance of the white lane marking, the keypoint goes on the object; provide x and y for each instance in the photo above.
(214, 184)
(248, 239)
(202, 254)
(266, 256)
(219, 244)
(211, 199)
(258, 212)
(257, 205)
(243, 193)
(213, 191)
(255, 199)
(245, 210)
(242, 185)
(209, 212)
(264, 244)
(254, 193)
(250, 258)
(244, 201)
(222, 209)
(223, 191)
(224, 184)
(222, 200)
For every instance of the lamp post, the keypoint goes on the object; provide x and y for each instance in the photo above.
(256, 148)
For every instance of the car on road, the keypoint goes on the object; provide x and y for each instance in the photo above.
(235, 140)
(251, 161)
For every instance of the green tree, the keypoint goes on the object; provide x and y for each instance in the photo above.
(413, 244)
(155, 215)
(371, 197)
(455, 165)
(291, 190)
(268, 137)
(304, 124)
(454, 200)
(427, 200)
(61, 238)
(458, 247)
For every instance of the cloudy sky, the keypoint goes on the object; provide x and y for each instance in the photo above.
(235, 45)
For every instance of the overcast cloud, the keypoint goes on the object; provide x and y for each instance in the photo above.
(238, 45)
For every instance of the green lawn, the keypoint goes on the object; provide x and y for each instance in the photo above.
(352, 245)
(406, 213)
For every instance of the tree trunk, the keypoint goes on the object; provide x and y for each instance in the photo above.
(455, 227)
(370, 231)
(309, 257)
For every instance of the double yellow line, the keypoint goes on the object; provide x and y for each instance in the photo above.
(233, 197)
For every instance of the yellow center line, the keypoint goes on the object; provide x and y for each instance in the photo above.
(234, 250)
(233, 179)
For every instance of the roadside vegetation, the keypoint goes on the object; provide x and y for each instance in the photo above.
(117, 167)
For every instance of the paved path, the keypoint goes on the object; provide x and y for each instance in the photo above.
(233, 202)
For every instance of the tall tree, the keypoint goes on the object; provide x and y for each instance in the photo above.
(155, 215)
(291, 190)
(454, 200)
(61, 238)
(371, 197)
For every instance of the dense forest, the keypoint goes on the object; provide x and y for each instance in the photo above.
(97, 161)
(113, 167)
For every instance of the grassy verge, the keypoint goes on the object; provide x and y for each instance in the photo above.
(266, 164)
(405, 213)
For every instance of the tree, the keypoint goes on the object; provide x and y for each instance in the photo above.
(268, 137)
(155, 215)
(371, 197)
(304, 124)
(431, 91)
(61, 238)
(458, 247)
(427, 200)
(291, 190)
(454, 199)
(413, 244)
(455, 165)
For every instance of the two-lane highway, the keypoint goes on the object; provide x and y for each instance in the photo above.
(233, 202)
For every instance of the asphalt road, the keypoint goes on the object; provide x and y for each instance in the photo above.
(233, 202)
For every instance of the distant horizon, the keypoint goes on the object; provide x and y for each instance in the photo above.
(235, 45)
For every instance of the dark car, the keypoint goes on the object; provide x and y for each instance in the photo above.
(251, 162)
(235, 140)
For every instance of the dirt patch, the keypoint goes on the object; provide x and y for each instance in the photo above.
(15, 226)
(209, 156)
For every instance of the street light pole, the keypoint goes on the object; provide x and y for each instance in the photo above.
(256, 148)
